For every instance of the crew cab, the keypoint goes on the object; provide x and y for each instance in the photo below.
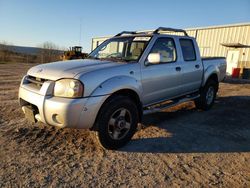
(127, 76)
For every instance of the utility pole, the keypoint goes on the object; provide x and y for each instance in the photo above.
(80, 34)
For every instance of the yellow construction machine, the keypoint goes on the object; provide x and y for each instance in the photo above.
(74, 52)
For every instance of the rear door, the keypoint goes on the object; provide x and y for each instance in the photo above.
(161, 81)
(191, 66)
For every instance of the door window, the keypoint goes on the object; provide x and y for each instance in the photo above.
(188, 50)
(166, 47)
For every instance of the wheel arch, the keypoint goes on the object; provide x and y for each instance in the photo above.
(211, 72)
(133, 95)
(214, 77)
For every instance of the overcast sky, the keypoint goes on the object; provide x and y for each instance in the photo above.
(30, 23)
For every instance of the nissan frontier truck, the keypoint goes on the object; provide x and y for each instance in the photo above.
(124, 78)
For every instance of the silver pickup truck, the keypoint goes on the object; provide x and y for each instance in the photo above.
(127, 76)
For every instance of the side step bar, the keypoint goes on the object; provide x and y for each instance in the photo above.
(159, 107)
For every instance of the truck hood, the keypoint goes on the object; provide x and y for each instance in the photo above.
(68, 69)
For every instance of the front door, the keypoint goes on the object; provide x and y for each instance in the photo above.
(161, 81)
(232, 60)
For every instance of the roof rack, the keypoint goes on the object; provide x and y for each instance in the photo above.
(169, 29)
(154, 32)
(125, 32)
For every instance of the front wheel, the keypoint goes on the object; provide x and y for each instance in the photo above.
(207, 95)
(117, 122)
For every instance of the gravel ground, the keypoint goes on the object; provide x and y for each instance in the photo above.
(180, 147)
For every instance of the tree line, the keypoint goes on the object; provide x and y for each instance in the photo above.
(47, 52)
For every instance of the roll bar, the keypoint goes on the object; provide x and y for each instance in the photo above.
(169, 29)
(157, 31)
(125, 32)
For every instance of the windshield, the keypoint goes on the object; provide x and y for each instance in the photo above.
(124, 48)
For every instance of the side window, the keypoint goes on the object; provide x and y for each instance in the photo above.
(166, 47)
(188, 49)
(136, 49)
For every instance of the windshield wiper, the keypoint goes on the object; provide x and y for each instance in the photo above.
(91, 57)
(110, 59)
(120, 59)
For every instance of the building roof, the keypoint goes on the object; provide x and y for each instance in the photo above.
(195, 28)
(220, 26)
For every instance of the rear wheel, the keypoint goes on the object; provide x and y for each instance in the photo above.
(117, 122)
(207, 95)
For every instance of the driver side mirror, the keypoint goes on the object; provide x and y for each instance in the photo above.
(154, 58)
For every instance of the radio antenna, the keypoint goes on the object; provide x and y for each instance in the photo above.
(80, 34)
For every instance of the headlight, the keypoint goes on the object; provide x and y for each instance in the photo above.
(69, 88)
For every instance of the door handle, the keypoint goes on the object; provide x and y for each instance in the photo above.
(197, 66)
(178, 69)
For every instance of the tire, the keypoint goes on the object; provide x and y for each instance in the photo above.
(207, 95)
(117, 122)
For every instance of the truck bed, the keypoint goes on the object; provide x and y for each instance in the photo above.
(219, 62)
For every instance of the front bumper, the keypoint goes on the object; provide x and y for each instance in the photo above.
(61, 112)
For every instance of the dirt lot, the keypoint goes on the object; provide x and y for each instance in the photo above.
(180, 147)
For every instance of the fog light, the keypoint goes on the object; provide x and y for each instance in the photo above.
(57, 118)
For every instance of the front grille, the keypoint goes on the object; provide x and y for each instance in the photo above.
(35, 82)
